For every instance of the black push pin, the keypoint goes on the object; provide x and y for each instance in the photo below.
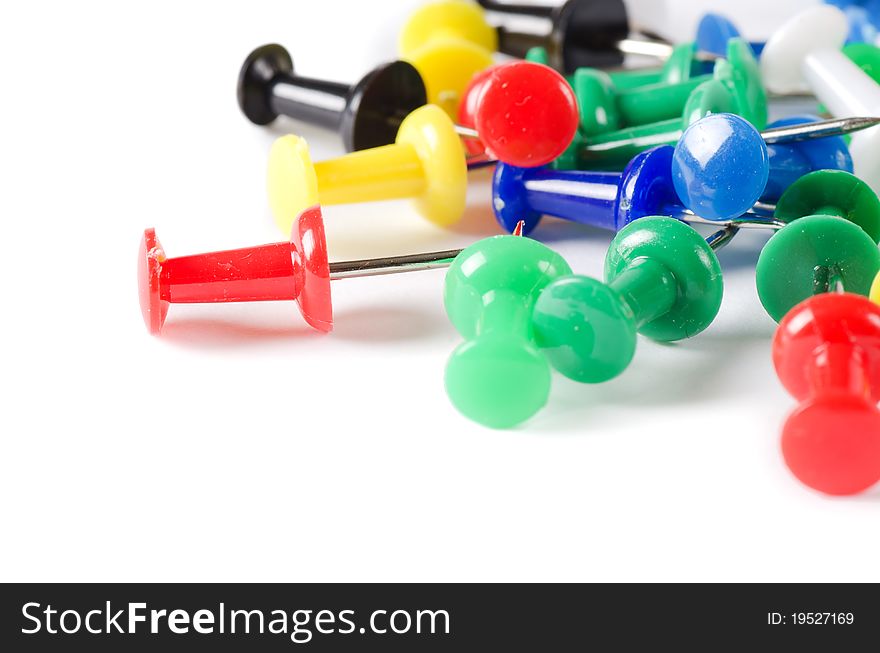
(582, 34)
(367, 114)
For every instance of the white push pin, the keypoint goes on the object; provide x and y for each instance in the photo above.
(805, 55)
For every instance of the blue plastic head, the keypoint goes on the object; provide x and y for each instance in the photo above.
(647, 188)
(791, 161)
(509, 199)
(720, 167)
(713, 33)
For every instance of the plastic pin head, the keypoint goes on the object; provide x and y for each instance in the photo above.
(827, 355)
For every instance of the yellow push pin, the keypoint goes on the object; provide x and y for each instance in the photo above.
(875, 289)
(448, 42)
(426, 163)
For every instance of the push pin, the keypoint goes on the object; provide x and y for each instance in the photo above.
(498, 377)
(366, 114)
(715, 31)
(499, 103)
(827, 355)
(575, 34)
(520, 118)
(448, 42)
(605, 108)
(660, 181)
(297, 269)
(829, 242)
(684, 63)
(662, 279)
(805, 54)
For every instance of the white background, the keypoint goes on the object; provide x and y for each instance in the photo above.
(241, 446)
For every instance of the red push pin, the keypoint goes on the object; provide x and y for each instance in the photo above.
(525, 113)
(827, 355)
(297, 269)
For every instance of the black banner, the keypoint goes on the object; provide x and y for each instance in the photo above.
(420, 617)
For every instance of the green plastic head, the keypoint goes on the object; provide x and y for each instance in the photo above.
(712, 96)
(689, 264)
(741, 71)
(585, 328)
(814, 254)
(832, 192)
(538, 55)
(498, 378)
(663, 280)
(596, 98)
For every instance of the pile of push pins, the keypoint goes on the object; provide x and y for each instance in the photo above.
(646, 153)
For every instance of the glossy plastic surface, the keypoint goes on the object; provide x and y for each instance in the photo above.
(426, 164)
(681, 66)
(498, 377)
(789, 162)
(827, 355)
(684, 253)
(832, 192)
(847, 90)
(820, 28)
(297, 270)
(527, 114)
(448, 42)
(366, 114)
(715, 31)
(720, 167)
(582, 32)
(602, 199)
(662, 279)
(735, 87)
(813, 255)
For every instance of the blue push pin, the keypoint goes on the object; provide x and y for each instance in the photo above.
(713, 33)
(791, 161)
(720, 168)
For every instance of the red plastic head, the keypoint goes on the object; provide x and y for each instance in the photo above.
(468, 107)
(310, 245)
(297, 269)
(827, 354)
(150, 258)
(526, 113)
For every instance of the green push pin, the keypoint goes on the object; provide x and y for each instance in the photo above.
(735, 88)
(498, 377)
(682, 65)
(662, 279)
(605, 109)
(830, 244)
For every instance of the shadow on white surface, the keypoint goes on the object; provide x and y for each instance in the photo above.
(211, 333)
(668, 374)
(390, 324)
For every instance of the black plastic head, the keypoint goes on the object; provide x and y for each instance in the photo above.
(255, 81)
(379, 103)
(586, 33)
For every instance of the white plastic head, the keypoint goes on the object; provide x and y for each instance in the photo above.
(782, 60)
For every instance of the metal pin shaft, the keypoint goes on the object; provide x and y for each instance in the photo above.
(789, 134)
(374, 267)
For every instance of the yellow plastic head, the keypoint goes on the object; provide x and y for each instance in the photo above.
(875, 290)
(292, 183)
(448, 43)
(430, 132)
